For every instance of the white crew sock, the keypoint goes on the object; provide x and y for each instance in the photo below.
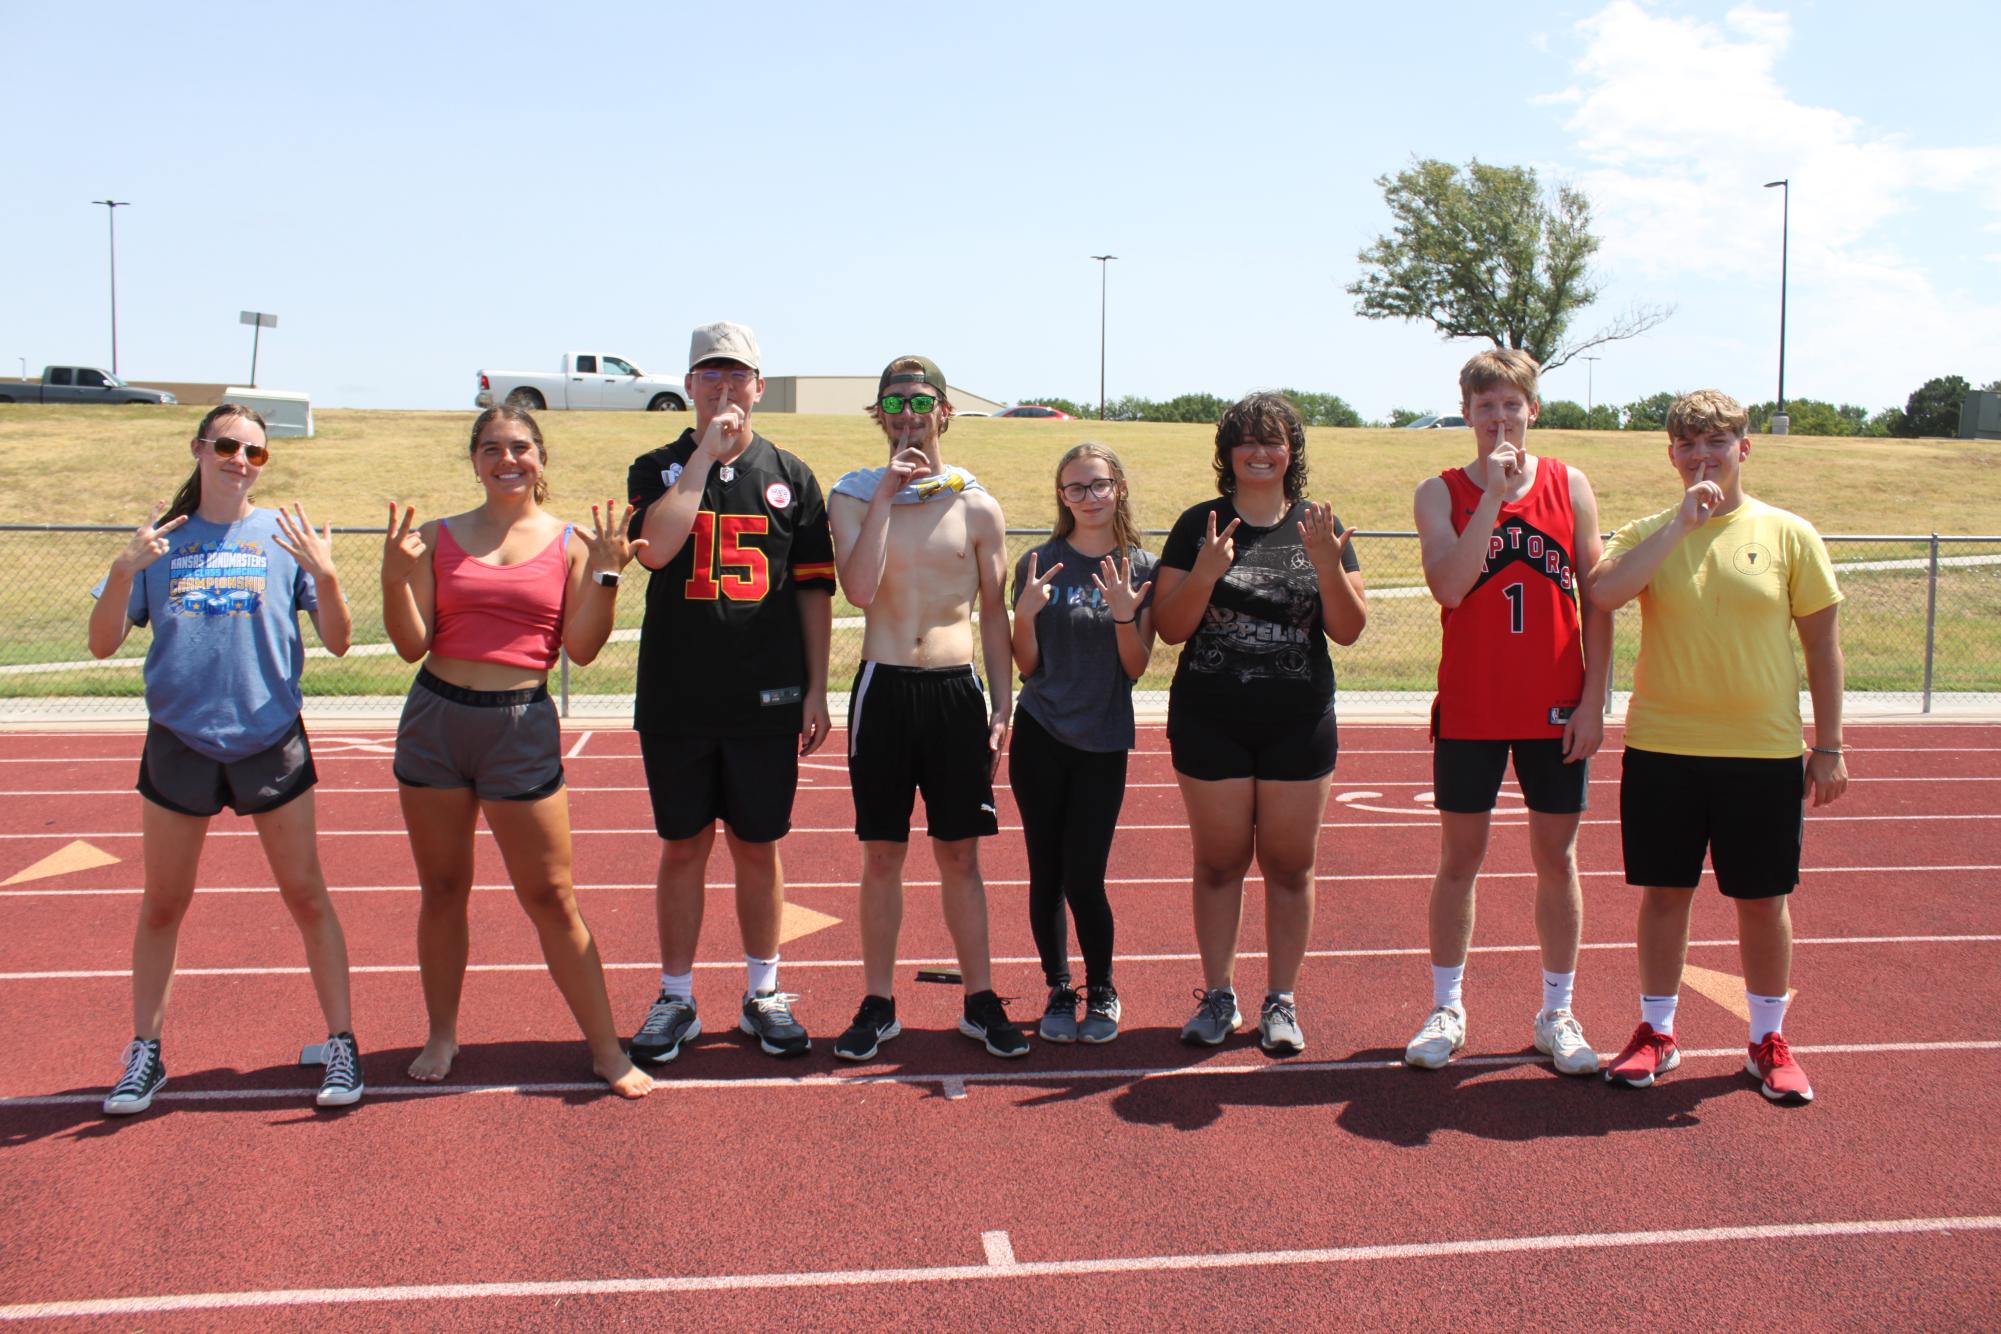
(1659, 1011)
(1448, 987)
(1557, 989)
(678, 984)
(1768, 1015)
(760, 974)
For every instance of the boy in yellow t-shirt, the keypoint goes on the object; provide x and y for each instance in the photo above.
(1713, 746)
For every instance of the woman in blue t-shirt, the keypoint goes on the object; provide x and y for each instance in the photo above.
(1083, 633)
(1253, 586)
(222, 583)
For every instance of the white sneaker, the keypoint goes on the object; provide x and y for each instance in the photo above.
(1443, 1034)
(1559, 1036)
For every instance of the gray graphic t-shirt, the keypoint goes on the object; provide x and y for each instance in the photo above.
(1262, 640)
(1080, 693)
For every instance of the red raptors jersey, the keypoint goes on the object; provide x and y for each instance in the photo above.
(1512, 664)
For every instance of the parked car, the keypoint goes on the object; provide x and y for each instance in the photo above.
(1435, 422)
(80, 384)
(587, 380)
(1035, 410)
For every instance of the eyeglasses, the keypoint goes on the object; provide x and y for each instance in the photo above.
(225, 448)
(737, 379)
(1098, 488)
(921, 404)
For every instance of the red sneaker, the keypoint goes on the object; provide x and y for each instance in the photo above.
(1647, 1054)
(1779, 1076)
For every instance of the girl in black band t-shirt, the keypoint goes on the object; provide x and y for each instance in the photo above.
(1252, 586)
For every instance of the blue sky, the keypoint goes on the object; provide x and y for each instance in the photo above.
(419, 191)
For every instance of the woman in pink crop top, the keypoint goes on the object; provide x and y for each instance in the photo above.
(486, 599)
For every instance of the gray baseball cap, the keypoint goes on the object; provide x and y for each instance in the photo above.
(724, 341)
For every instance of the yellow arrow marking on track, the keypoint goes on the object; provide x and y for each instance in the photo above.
(78, 856)
(797, 921)
(1724, 989)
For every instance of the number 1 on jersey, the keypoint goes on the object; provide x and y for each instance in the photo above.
(1515, 595)
(716, 544)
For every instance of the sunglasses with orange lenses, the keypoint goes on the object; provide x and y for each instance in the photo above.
(225, 448)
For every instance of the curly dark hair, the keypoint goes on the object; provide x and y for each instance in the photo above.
(1262, 416)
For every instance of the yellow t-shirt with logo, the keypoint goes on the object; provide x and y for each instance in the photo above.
(1716, 674)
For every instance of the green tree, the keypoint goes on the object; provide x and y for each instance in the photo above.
(1604, 417)
(1323, 409)
(1405, 416)
(1560, 414)
(1890, 421)
(1933, 408)
(1649, 414)
(1808, 416)
(1483, 252)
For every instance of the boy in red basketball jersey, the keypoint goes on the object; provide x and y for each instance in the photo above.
(1507, 541)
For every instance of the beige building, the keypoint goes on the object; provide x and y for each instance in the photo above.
(843, 394)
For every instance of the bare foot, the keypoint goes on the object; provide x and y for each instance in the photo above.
(627, 1082)
(435, 1061)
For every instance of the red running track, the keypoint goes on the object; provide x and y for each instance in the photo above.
(1137, 1185)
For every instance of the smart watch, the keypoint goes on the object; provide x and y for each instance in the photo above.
(609, 578)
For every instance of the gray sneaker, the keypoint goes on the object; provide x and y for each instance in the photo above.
(1278, 1027)
(1443, 1034)
(1059, 1020)
(1101, 1014)
(1215, 1018)
(767, 1016)
(670, 1022)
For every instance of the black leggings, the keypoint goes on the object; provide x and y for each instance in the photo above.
(1069, 801)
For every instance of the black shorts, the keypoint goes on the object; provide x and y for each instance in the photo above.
(920, 729)
(174, 775)
(1213, 739)
(747, 782)
(1466, 775)
(1748, 814)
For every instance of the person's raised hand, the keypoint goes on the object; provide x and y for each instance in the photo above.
(609, 549)
(1219, 550)
(724, 435)
(1035, 589)
(908, 463)
(149, 541)
(1114, 582)
(402, 548)
(1700, 501)
(313, 550)
(1325, 546)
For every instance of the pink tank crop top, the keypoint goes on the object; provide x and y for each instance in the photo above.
(506, 614)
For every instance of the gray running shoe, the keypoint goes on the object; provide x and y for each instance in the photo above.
(1059, 1020)
(1101, 1014)
(1278, 1027)
(670, 1022)
(767, 1016)
(1216, 1017)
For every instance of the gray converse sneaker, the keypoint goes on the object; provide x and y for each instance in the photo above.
(1059, 1020)
(1216, 1017)
(1101, 1014)
(767, 1016)
(1278, 1026)
(341, 1086)
(669, 1022)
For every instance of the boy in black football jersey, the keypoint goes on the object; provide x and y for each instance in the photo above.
(732, 686)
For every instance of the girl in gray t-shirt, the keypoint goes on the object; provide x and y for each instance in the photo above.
(1083, 633)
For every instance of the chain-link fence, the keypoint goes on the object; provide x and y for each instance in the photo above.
(1922, 620)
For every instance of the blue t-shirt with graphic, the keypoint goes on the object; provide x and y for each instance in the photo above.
(224, 603)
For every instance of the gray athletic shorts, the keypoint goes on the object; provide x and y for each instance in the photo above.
(174, 775)
(506, 745)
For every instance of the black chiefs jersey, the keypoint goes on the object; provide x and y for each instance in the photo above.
(721, 652)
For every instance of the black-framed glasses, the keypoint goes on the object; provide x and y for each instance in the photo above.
(1098, 488)
(225, 448)
(921, 404)
(737, 379)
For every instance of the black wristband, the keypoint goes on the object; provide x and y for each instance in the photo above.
(1117, 621)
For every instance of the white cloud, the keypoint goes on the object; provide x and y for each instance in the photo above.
(1679, 122)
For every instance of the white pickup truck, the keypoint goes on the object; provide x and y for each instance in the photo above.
(587, 380)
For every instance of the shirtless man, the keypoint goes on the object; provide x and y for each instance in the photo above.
(915, 542)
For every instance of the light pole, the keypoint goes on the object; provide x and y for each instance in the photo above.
(259, 322)
(1590, 373)
(111, 207)
(1781, 423)
(1104, 268)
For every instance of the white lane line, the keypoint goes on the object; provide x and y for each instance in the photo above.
(999, 1248)
(1264, 1069)
(610, 966)
(575, 751)
(1320, 877)
(860, 1278)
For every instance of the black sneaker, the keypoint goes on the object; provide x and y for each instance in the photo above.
(670, 1022)
(145, 1074)
(341, 1086)
(875, 1023)
(986, 1019)
(767, 1016)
